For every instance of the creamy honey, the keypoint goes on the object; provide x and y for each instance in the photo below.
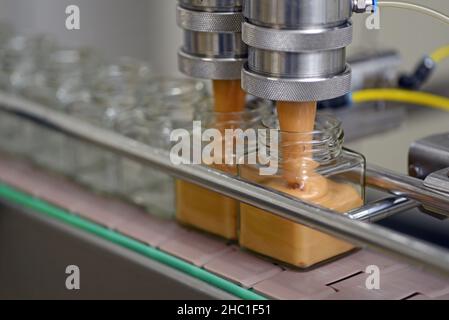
(228, 96)
(283, 239)
(295, 117)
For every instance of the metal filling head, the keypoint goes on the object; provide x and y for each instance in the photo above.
(213, 46)
(212, 5)
(297, 49)
(298, 14)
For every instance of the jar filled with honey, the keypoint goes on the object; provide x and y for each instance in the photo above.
(207, 210)
(312, 167)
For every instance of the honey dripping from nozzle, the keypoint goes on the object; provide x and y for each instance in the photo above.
(228, 96)
(296, 117)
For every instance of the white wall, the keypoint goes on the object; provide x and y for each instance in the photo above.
(165, 36)
(147, 28)
(120, 27)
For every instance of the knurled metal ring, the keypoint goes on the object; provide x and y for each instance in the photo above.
(209, 21)
(210, 68)
(287, 89)
(297, 40)
(213, 5)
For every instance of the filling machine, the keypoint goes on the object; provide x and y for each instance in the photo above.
(283, 50)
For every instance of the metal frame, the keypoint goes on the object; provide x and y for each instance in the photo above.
(358, 232)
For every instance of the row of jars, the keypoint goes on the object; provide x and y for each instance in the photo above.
(125, 97)
(122, 95)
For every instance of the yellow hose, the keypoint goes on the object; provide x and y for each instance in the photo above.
(405, 96)
(440, 54)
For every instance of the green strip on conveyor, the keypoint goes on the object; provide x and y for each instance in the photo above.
(54, 212)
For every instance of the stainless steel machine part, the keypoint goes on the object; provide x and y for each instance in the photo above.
(382, 209)
(439, 181)
(369, 119)
(409, 187)
(213, 46)
(374, 69)
(360, 233)
(297, 48)
(213, 5)
(428, 155)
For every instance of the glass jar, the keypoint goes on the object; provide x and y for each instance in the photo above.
(144, 186)
(176, 98)
(114, 91)
(21, 57)
(6, 33)
(312, 167)
(165, 104)
(207, 210)
(67, 78)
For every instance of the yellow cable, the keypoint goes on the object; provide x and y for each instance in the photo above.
(399, 95)
(440, 54)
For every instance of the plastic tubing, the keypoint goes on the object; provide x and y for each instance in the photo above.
(405, 96)
(415, 7)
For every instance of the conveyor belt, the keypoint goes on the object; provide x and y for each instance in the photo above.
(367, 235)
(210, 259)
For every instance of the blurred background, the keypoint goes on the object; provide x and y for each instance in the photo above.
(147, 29)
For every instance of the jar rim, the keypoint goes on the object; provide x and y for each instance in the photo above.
(325, 143)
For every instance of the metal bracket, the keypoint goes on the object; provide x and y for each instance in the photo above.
(438, 181)
(382, 209)
(428, 155)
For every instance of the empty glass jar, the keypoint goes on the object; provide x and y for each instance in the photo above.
(309, 166)
(166, 104)
(20, 58)
(68, 77)
(114, 92)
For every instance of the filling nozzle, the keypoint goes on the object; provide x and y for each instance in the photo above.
(213, 46)
(297, 48)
